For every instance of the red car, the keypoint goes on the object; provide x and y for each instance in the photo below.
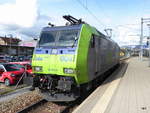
(10, 73)
(26, 65)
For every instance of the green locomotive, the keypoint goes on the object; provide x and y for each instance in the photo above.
(68, 59)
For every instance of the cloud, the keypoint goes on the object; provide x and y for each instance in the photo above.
(34, 31)
(22, 13)
(126, 35)
(19, 19)
(22, 18)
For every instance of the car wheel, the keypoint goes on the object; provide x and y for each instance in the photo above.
(7, 82)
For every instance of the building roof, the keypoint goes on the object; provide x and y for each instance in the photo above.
(10, 40)
(30, 43)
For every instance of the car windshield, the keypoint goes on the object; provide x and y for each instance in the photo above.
(12, 67)
(59, 38)
(20, 66)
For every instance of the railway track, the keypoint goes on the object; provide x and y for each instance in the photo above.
(13, 93)
(44, 105)
(33, 106)
(124, 58)
(67, 109)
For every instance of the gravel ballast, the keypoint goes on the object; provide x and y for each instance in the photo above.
(18, 103)
(49, 107)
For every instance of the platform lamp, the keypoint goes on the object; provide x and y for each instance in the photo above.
(143, 20)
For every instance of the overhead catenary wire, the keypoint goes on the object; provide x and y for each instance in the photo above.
(101, 9)
(86, 3)
(90, 12)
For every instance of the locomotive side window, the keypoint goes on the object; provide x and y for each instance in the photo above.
(92, 41)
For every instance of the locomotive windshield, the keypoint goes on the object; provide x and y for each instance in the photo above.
(59, 38)
(47, 39)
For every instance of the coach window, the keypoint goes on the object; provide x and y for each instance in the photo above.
(92, 41)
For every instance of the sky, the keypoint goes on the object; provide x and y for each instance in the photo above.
(25, 18)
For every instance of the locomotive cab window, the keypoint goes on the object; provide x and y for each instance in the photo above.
(47, 39)
(59, 38)
(67, 38)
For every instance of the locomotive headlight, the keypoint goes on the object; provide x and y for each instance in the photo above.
(38, 68)
(69, 70)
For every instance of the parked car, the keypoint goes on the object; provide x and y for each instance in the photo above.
(4, 59)
(13, 58)
(21, 58)
(10, 73)
(24, 58)
(28, 58)
(28, 78)
(26, 65)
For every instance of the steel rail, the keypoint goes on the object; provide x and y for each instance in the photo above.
(33, 106)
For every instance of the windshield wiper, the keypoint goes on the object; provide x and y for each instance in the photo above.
(74, 42)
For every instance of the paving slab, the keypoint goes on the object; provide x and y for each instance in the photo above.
(133, 92)
(103, 93)
(126, 91)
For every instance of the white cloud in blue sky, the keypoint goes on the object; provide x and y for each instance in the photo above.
(22, 13)
(27, 17)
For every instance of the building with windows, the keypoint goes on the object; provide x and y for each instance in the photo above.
(9, 41)
(13, 46)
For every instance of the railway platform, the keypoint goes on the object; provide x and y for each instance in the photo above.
(127, 90)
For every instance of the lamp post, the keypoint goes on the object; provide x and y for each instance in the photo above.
(148, 40)
(143, 20)
(141, 41)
